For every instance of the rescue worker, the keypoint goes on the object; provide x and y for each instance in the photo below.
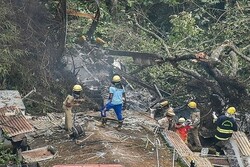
(116, 101)
(158, 110)
(182, 127)
(167, 122)
(195, 123)
(226, 124)
(69, 103)
(191, 113)
(185, 110)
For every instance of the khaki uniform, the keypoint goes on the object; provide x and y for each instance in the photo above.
(68, 104)
(194, 132)
(166, 123)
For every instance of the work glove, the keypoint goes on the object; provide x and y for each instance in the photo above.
(214, 115)
(188, 122)
(152, 113)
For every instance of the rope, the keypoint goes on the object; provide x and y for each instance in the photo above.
(207, 113)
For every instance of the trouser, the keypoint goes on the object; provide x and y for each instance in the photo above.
(68, 118)
(219, 144)
(194, 134)
(117, 108)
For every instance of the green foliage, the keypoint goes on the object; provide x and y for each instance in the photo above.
(184, 27)
(194, 26)
(10, 54)
(235, 28)
(134, 3)
(6, 156)
(211, 1)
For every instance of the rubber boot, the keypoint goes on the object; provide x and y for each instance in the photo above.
(104, 121)
(119, 125)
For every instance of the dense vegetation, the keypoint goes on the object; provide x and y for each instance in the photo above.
(177, 31)
(34, 37)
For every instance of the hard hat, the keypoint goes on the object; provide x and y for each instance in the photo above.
(181, 120)
(231, 110)
(116, 78)
(170, 111)
(164, 103)
(100, 41)
(192, 104)
(77, 88)
(82, 38)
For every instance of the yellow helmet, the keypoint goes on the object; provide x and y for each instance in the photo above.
(181, 120)
(116, 78)
(231, 110)
(192, 104)
(164, 103)
(77, 88)
(100, 41)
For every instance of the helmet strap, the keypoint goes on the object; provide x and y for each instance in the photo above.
(76, 95)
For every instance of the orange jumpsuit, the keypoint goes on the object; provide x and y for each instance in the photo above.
(182, 130)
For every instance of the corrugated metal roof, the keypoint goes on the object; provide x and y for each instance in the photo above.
(243, 142)
(14, 125)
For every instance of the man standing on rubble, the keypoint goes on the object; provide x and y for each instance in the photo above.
(226, 125)
(116, 101)
(69, 103)
(191, 113)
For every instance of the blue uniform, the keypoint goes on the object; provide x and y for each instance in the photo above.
(225, 127)
(115, 103)
(224, 130)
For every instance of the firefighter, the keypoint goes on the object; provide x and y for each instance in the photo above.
(158, 110)
(69, 103)
(226, 125)
(167, 122)
(116, 101)
(186, 110)
(191, 113)
(195, 122)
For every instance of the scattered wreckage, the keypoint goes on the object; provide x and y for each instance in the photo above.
(15, 127)
(136, 144)
(50, 145)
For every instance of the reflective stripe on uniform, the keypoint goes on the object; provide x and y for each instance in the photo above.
(227, 123)
(219, 138)
(224, 130)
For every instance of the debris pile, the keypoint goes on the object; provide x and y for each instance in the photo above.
(132, 146)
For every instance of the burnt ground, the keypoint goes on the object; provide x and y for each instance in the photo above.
(132, 146)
